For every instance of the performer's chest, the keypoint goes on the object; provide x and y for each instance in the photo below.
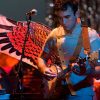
(68, 44)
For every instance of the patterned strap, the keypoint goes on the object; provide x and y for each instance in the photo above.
(86, 41)
(77, 50)
(84, 38)
(83, 41)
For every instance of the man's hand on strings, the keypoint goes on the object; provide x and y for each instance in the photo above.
(79, 69)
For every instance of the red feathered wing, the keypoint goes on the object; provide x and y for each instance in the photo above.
(11, 43)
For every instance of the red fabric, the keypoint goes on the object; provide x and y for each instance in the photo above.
(7, 69)
(35, 42)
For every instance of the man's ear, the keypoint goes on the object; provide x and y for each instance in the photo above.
(77, 14)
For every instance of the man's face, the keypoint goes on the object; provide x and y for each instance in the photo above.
(67, 19)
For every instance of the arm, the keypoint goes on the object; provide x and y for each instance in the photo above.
(95, 46)
(45, 70)
(95, 65)
(42, 65)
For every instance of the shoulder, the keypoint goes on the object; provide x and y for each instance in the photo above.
(51, 37)
(94, 39)
(53, 32)
(57, 32)
(93, 35)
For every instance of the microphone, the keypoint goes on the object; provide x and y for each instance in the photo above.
(32, 12)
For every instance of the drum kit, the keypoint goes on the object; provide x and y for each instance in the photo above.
(21, 43)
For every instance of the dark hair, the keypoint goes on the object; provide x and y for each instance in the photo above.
(64, 6)
(74, 6)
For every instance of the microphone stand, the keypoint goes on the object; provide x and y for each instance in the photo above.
(20, 69)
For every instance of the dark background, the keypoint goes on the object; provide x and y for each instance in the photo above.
(16, 9)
